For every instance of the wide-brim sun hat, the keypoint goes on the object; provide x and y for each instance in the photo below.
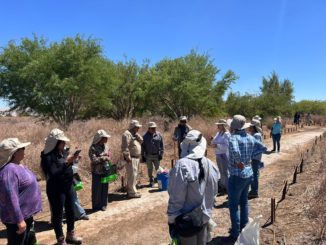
(152, 125)
(52, 139)
(99, 135)
(221, 122)
(257, 117)
(8, 147)
(134, 124)
(256, 123)
(183, 118)
(194, 145)
(238, 122)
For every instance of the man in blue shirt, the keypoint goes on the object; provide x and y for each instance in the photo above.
(242, 148)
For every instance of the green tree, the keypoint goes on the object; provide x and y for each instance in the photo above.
(55, 80)
(186, 86)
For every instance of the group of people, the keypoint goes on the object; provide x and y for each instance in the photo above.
(194, 181)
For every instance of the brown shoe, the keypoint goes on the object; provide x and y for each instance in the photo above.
(61, 241)
(73, 239)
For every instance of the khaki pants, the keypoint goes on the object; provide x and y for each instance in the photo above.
(132, 171)
(150, 160)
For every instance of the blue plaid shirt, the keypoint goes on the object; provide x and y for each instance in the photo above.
(242, 148)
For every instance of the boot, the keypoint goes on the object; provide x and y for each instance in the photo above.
(72, 238)
(61, 241)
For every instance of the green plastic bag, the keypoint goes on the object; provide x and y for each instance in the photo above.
(174, 241)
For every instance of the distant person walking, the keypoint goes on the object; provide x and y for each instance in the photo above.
(296, 119)
(221, 143)
(131, 151)
(152, 150)
(180, 132)
(192, 189)
(57, 167)
(256, 131)
(276, 133)
(99, 156)
(20, 195)
(242, 148)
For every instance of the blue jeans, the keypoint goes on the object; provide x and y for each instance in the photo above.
(276, 141)
(238, 195)
(255, 164)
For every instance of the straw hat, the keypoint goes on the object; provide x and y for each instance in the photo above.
(52, 139)
(256, 123)
(238, 122)
(194, 145)
(134, 124)
(221, 122)
(99, 135)
(152, 125)
(7, 149)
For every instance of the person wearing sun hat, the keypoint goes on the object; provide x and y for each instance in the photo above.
(181, 131)
(131, 151)
(20, 195)
(99, 155)
(193, 183)
(57, 167)
(276, 133)
(152, 150)
(221, 143)
(242, 148)
(256, 131)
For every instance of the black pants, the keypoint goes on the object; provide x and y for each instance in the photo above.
(22, 239)
(61, 197)
(276, 141)
(99, 192)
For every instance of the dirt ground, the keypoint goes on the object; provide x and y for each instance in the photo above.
(144, 221)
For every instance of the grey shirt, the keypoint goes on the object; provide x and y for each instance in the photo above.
(185, 191)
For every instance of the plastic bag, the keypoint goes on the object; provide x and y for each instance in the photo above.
(250, 234)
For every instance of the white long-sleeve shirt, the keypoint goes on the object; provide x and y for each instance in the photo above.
(222, 142)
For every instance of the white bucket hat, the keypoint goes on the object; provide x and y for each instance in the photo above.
(52, 139)
(194, 145)
(99, 135)
(183, 118)
(238, 122)
(221, 122)
(7, 149)
(152, 125)
(257, 117)
(256, 123)
(134, 124)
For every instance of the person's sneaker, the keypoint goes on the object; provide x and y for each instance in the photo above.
(61, 241)
(73, 239)
(103, 208)
(229, 240)
(84, 217)
(137, 195)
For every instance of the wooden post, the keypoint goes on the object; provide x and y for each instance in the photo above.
(294, 180)
(301, 166)
(285, 187)
(273, 209)
(172, 163)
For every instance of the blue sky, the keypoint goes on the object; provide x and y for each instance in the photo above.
(252, 38)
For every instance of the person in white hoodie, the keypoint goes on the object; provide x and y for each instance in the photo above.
(221, 143)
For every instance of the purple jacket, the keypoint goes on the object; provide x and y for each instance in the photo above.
(20, 195)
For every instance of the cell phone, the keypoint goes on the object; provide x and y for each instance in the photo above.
(76, 153)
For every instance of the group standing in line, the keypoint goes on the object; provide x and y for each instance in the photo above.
(194, 182)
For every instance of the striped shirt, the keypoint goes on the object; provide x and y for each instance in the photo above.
(20, 195)
(242, 148)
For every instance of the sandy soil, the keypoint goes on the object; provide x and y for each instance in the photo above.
(143, 221)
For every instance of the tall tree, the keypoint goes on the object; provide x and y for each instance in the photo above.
(53, 80)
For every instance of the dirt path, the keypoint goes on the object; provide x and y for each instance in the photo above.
(143, 221)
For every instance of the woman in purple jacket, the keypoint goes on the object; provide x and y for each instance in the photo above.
(20, 195)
